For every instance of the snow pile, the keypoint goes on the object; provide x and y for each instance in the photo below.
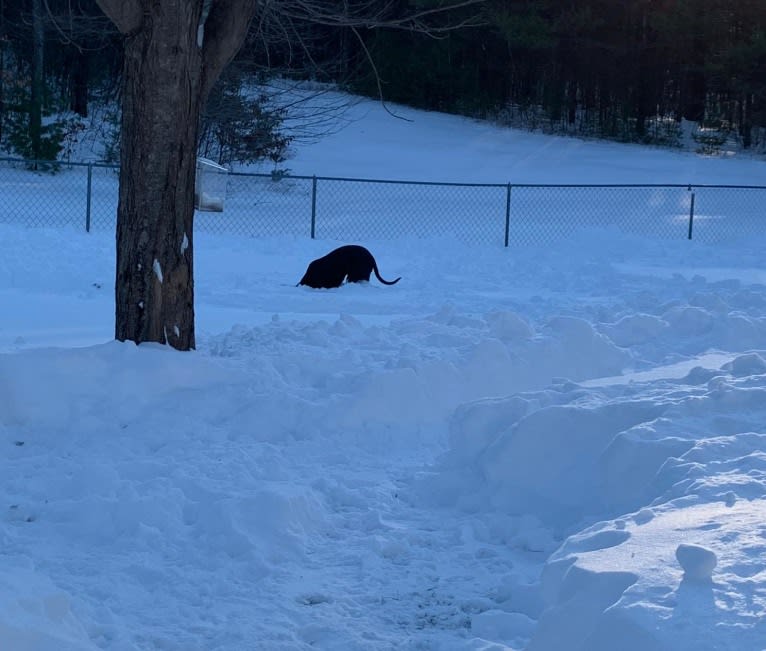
(676, 481)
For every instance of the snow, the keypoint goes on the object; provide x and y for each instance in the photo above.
(697, 562)
(157, 268)
(553, 447)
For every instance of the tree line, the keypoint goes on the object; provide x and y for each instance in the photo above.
(630, 70)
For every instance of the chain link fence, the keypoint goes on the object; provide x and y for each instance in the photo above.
(261, 205)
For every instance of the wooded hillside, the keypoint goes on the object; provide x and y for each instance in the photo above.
(629, 70)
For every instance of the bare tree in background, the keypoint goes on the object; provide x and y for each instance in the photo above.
(174, 51)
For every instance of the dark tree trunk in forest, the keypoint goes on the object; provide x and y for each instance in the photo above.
(2, 85)
(36, 96)
(693, 95)
(79, 84)
(745, 125)
(174, 52)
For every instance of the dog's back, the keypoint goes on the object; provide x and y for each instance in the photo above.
(350, 261)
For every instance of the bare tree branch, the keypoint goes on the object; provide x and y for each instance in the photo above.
(371, 61)
(281, 25)
(371, 15)
(78, 30)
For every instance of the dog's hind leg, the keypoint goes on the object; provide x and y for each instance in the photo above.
(358, 276)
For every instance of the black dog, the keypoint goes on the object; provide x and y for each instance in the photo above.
(351, 261)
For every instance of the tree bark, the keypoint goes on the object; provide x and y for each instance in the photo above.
(168, 71)
(154, 289)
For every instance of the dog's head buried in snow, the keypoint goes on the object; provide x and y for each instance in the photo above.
(352, 262)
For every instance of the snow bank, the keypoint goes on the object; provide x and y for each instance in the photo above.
(571, 455)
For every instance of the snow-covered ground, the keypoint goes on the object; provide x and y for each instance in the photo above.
(548, 448)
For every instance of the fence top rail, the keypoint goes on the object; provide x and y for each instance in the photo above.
(279, 177)
(509, 185)
(687, 186)
(60, 163)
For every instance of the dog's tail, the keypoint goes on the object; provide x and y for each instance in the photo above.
(377, 275)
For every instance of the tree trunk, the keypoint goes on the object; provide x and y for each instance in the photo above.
(745, 122)
(36, 96)
(175, 51)
(693, 95)
(162, 75)
(2, 86)
(79, 84)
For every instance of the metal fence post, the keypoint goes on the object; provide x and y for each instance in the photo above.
(87, 203)
(313, 206)
(691, 213)
(507, 214)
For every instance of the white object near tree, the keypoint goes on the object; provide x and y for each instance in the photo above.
(210, 186)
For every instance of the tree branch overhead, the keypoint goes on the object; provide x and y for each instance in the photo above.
(225, 29)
